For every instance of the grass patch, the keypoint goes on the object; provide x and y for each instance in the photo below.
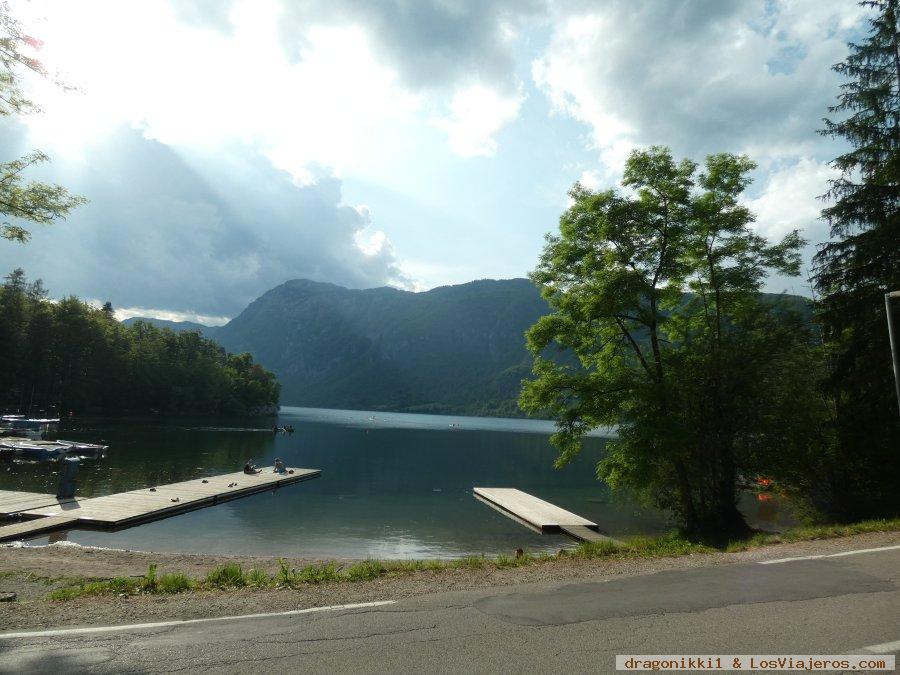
(365, 571)
(114, 586)
(639, 547)
(231, 576)
(472, 562)
(812, 532)
(259, 579)
(317, 574)
(175, 583)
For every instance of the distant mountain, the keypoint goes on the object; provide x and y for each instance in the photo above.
(176, 326)
(454, 349)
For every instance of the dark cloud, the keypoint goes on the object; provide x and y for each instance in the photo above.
(431, 43)
(193, 233)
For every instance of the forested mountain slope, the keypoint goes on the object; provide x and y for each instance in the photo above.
(453, 349)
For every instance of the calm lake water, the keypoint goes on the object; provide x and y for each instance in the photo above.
(396, 486)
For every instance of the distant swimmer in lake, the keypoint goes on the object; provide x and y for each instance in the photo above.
(250, 468)
(279, 466)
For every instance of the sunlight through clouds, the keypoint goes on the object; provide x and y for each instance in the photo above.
(477, 113)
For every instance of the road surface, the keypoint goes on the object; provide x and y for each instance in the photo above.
(826, 605)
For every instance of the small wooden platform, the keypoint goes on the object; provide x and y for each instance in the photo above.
(137, 506)
(32, 528)
(538, 515)
(12, 501)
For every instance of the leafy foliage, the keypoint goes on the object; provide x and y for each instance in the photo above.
(72, 356)
(34, 201)
(689, 378)
(855, 270)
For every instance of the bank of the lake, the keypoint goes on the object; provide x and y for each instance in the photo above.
(33, 573)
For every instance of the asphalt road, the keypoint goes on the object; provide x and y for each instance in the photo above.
(830, 605)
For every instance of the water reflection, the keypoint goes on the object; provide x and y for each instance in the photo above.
(393, 486)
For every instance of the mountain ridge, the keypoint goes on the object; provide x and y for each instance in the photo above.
(455, 349)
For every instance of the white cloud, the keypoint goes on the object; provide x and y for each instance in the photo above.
(699, 76)
(789, 199)
(123, 313)
(476, 114)
(186, 85)
(590, 179)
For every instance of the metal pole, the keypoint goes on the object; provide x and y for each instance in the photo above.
(892, 336)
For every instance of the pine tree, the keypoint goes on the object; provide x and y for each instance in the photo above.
(858, 266)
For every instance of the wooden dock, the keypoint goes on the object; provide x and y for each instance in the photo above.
(125, 509)
(538, 515)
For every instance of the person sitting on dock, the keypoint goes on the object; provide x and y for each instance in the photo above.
(250, 468)
(279, 466)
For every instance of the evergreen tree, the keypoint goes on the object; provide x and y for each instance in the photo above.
(856, 268)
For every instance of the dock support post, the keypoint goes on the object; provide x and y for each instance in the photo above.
(68, 473)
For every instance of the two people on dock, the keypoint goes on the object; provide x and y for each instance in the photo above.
(251, 468)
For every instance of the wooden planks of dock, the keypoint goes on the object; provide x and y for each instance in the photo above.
(137, 506)
(537, 514)
(13, 501)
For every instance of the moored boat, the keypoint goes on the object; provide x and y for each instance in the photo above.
(37, 425)
(34, 450)
(83, 449)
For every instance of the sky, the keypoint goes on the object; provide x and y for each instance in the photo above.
(227, 146)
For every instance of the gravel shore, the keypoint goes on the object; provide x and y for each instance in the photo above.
(33, 572)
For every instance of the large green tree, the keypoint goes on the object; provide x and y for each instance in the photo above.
(23, 201)
(656, 291)
(856, 268)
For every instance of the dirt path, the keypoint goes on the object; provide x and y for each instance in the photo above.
(32, 572)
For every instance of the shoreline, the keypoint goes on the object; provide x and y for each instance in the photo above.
(34, 572)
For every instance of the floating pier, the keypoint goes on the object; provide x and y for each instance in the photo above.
(538, 515)
(44, 513)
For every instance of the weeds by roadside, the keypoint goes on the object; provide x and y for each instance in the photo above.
(233, 576)
(811, 532)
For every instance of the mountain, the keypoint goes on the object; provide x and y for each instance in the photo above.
(176, 326)
(454, 349)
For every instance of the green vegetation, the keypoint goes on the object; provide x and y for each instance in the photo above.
(718, 391)
(232, 577)
(73, 357)
(857, 475)
(227, 576)
(812, 532)
(701, 385)
(387, 349)
(21, 201)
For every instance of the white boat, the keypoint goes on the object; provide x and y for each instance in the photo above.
(82, 449)
(34, 424)
(36, 450)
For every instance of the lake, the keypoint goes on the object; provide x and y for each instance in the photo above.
(393, 485)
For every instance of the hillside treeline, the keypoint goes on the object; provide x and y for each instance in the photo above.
(71, 357)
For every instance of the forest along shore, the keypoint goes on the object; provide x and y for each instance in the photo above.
(34, 572)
